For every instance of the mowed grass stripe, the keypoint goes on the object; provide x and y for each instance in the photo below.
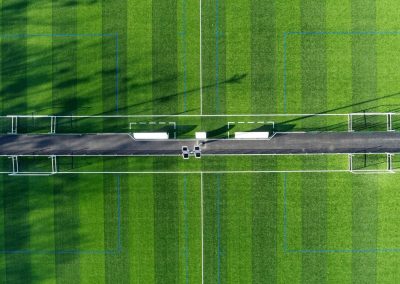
(238, 57)
(208, 56)
(89, 98)
(365, 227)
(3, 275)
(339, 90)
(16, 229)
(263, 57)
(238, 221)
(288, 52)
(365, 214)
(117, 264)
(289, 265)
(387, 58)
(212, 228)
(314, 187)
(182, 46)
(91, 227)
(114, 22)
(64, 52)
(113, 27)
(66, 228)
(15, 196)
(39, 101)
(165, 57)
(139, 57)
(339, 226)
(13, 58)
(339, 58)
(214, 55)
(314, 226)
(66, 199)
(387, 237)
(220, 60)
(364, 56)
(194, 222)
(264, 227)
(141, 227)
(189, 46)
(89, 58)
(39, 59)
(189, 229)
(165, 100)
(166, 229)
(313, 57)
(41, 222)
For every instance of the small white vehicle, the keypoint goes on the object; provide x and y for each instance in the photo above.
(197, 151)
(185, 152)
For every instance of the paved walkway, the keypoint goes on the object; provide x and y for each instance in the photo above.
(123, 144)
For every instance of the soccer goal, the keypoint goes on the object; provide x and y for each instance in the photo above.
(364, 163)
(33, 124)
(16, 169)
(370, 122)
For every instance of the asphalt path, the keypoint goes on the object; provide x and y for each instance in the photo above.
(123, 144)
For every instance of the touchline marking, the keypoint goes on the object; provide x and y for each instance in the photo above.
(198, 115)
(202, 227)
(201, 71)
(198, 172)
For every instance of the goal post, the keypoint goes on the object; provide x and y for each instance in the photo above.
(15, 168)
(53, 124)
(350, 123)
(22, 119)
(370, 121)
(381, 163)
(14, 124)
(389, 122)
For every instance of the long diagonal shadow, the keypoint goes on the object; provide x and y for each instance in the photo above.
(344, 107)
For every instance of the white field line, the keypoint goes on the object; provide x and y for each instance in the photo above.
(201, 77)
(357, 172)
(193, 140)
(217, 172)
(201, 115)
(31, 174)
(204, 172)
(202, 227)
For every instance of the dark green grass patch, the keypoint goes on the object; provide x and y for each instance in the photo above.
(165, 57)
(372, 162)
(264, 226)
(263, 60)
(16, 229)
(66, 229)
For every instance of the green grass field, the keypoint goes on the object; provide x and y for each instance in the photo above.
(143, 57)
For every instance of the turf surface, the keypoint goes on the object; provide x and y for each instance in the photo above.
(143, 57)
